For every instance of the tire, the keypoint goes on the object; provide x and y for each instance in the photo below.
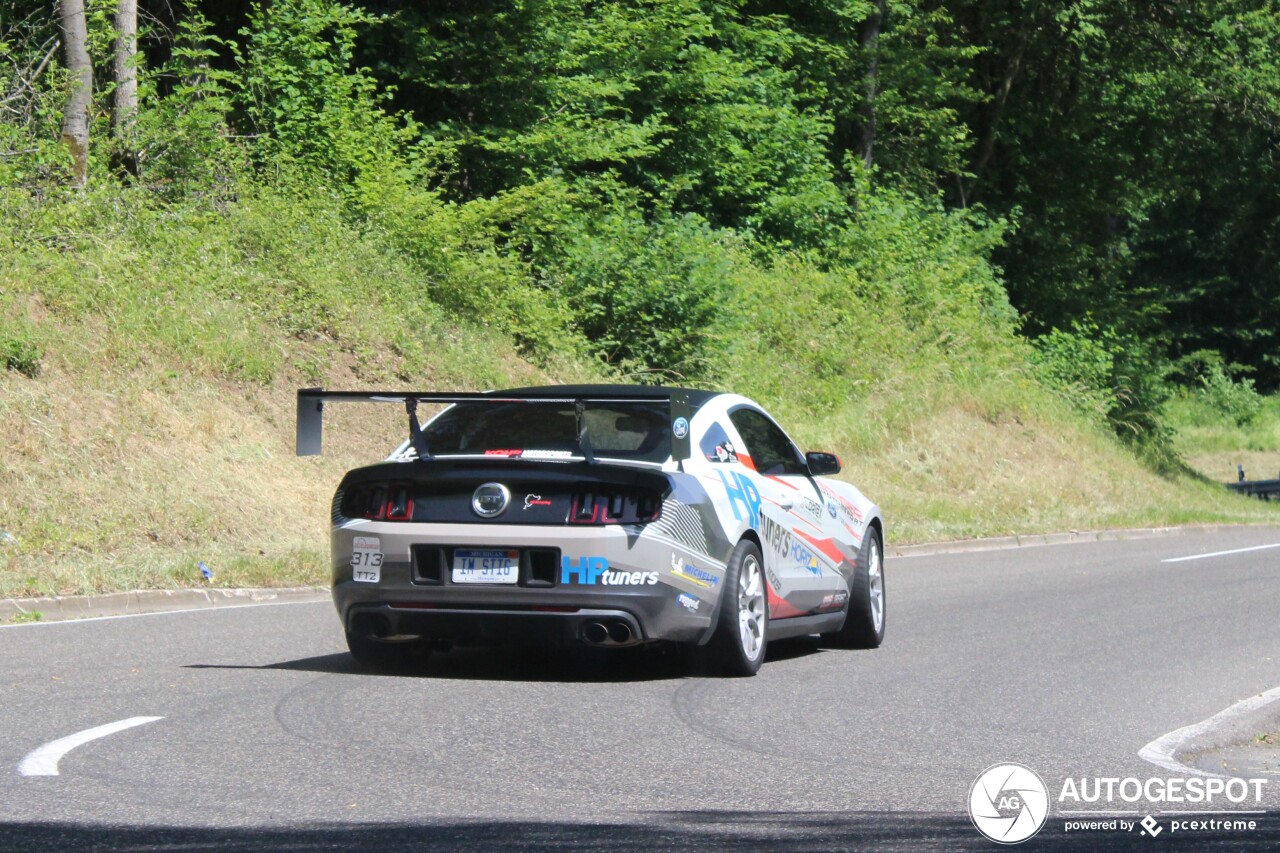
(742, 626)
(378, 656)
(865, 613)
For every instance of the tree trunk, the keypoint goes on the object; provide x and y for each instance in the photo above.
(75, 119)
(869, 44)
(126, 74)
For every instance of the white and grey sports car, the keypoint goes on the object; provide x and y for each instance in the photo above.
(608, 515)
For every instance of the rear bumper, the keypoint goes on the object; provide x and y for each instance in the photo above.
(615, 577)
(595, 627)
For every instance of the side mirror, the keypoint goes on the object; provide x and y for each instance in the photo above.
(822, 463)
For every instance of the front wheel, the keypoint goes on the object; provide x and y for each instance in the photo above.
(738, 645)
(864, 621)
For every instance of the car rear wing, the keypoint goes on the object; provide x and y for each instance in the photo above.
(310, 426)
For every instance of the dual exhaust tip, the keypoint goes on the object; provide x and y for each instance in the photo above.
(615, 632)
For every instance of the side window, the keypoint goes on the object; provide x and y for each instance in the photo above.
(717, 446)
(769, 448)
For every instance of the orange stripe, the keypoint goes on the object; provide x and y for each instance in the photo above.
(780, 608)
(826, 546)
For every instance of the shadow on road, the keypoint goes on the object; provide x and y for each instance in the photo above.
(706, 830)
(537, 663)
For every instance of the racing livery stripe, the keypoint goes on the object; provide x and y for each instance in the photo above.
(780, 608)
(826, 546)
(683, 524)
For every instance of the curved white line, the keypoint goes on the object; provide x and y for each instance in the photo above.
(44, 761)
(1221, 553)
(1162, 750)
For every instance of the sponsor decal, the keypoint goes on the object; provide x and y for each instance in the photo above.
(508, 453)
(716, 445)
(1009, 803)
(831, 508)
(595, 570)
(776, 536)
(774, 584)
(548, 454)
(811, 506)
(680, 428)
(366, 559)
(832, 600)
(535, 500)
(743, 497)
(688, 602)
(805, 559)
(692, 573)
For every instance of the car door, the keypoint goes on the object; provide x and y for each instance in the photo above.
(802, 562)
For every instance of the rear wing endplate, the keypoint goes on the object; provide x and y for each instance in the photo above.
(310, 425)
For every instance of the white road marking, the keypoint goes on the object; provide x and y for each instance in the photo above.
(1161, 751)
(74, 620)
(1220, 553)
(44, 761)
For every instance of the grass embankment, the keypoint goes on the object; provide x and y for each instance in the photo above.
(151, 357)
(1216, 444)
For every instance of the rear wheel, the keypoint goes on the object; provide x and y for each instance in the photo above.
(741, 636)
(864, 622)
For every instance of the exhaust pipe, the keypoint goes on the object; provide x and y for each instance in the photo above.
(371, 625)
(595, 633)
(620, 632)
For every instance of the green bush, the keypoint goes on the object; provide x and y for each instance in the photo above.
(1206, 375)
(20, 353)
(1080, 365)
(651, 298)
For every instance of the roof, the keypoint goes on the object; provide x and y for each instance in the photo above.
(697, 397)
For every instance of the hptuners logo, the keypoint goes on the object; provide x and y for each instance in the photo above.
(1008, 803)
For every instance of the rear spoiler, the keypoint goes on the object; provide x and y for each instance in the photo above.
(311, 402)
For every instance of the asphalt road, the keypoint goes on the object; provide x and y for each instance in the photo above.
(1067, 659)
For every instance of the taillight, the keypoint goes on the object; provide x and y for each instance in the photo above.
(400, 503)
(613, 507)
(379, 501)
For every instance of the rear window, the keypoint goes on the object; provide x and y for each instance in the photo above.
(638, 431)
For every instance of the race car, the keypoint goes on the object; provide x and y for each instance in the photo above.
(607, 515)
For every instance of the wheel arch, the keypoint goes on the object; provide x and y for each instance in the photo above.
(878, 524)
(748, 535)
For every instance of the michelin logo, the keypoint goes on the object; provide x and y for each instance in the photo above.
(692, 573)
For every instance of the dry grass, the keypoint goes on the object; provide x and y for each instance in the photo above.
(952, 470)
(126, 478)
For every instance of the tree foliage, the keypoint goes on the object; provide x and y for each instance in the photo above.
(606, 176)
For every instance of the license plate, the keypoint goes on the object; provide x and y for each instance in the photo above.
(486, 566)
(366, 559)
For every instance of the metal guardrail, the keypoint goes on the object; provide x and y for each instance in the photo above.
(1264, 489)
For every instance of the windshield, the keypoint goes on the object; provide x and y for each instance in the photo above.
(623, 430)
